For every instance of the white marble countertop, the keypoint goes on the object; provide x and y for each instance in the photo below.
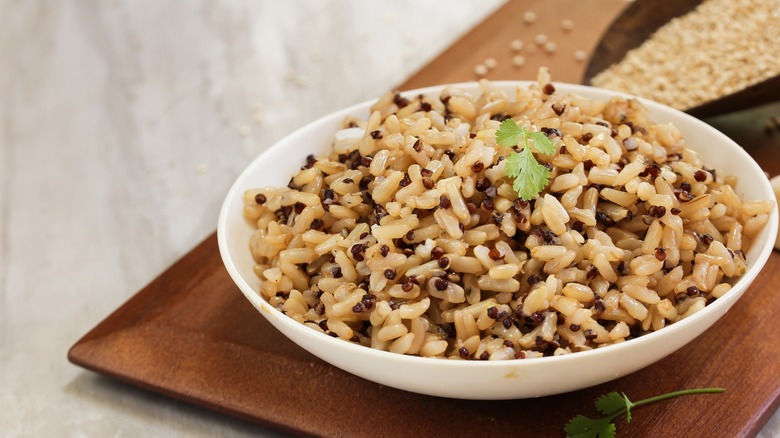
(122, 125)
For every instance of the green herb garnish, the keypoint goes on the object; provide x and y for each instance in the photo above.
(615, 404)
(530, 177)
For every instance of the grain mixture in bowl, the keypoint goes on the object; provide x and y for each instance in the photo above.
(409, 237)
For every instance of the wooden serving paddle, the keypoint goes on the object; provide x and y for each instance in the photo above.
(638, 22)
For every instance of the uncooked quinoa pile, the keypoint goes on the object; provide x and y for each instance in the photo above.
(410, 235)
(721, 47)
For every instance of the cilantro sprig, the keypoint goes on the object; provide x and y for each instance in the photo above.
(613, 405)
(530, 177)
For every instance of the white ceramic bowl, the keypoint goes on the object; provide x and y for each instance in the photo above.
(487, 379)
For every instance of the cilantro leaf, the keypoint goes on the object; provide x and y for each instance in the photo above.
(542, 143)
(509, 133)
(584, 427)
(530, 176)
(629, 405)
(610, 403)
(613, 405)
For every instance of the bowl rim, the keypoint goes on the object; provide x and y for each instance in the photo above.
(721, 305)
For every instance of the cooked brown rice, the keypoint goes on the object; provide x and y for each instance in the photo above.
(408, 237)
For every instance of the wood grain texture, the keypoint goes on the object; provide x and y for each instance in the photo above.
(492, 39)
(191, 334)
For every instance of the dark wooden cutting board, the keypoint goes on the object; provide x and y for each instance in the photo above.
(191, 334)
